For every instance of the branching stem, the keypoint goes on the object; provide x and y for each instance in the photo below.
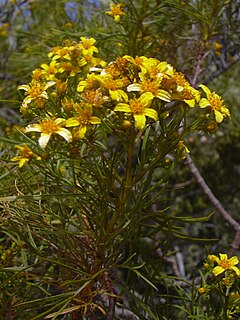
(200, 180)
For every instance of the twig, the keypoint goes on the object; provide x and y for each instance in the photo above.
(111, 299)
(216, 203)
(200, 180)
(218, 206)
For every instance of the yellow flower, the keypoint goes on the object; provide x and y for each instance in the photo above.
(138, 107)
(87, 46)
(215, 102)
(94, 97)
(48, 127)
(90, 83)
(70, 69)
(202, 290)
(26, 154)
(226, 281)
(151, 86)
(225, 264)
(49, 71)
(82, 120)
(143, 63)
(114, 86)
(116, 10)
(60, 53)
(35, 91)
(188, 94)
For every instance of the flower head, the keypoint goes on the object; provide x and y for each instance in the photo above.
(216, 104)
(35, 91)
(87, 46)
(138, 107)
(48, 127)
(82, 120)
(26, 154)
(116, 11)
(152, 86)
(50, 71)
(225, 264)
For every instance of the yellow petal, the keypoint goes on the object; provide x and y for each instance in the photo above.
(218, 116)
(234, 260)
(72, 122)
(236, 270)
(191, 102)
(146, 99)
(151, 113)
(43, 140)
(204, 103)
(65, 134)
(122, 107)
(223, 256)
(81, 132)
(60, 121)
(218, 270)
(205, 89)
(33, 128)
(22, 162)
(163, 95)
(94, 120)
(140, 121)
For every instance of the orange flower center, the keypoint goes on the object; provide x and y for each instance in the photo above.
(149, 86)
(138, 61)
(87, 44)
(88, 58)
(224, 264)
(26, 153)
(180, 80)
(121, 63)
(153, 71)
(187, 95)
(49, 126)
(136, 107)
(51, 70)
(93, 97)
(35, 91)
(216, 102)
(84, 118)
(111, 85)
(117, 10)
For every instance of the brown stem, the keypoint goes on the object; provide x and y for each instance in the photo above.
(200, 180)
(111, 299)
(198, 68)
(216, 203)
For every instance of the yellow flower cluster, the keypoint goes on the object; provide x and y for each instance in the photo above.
(77, 90)
(221, 276)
